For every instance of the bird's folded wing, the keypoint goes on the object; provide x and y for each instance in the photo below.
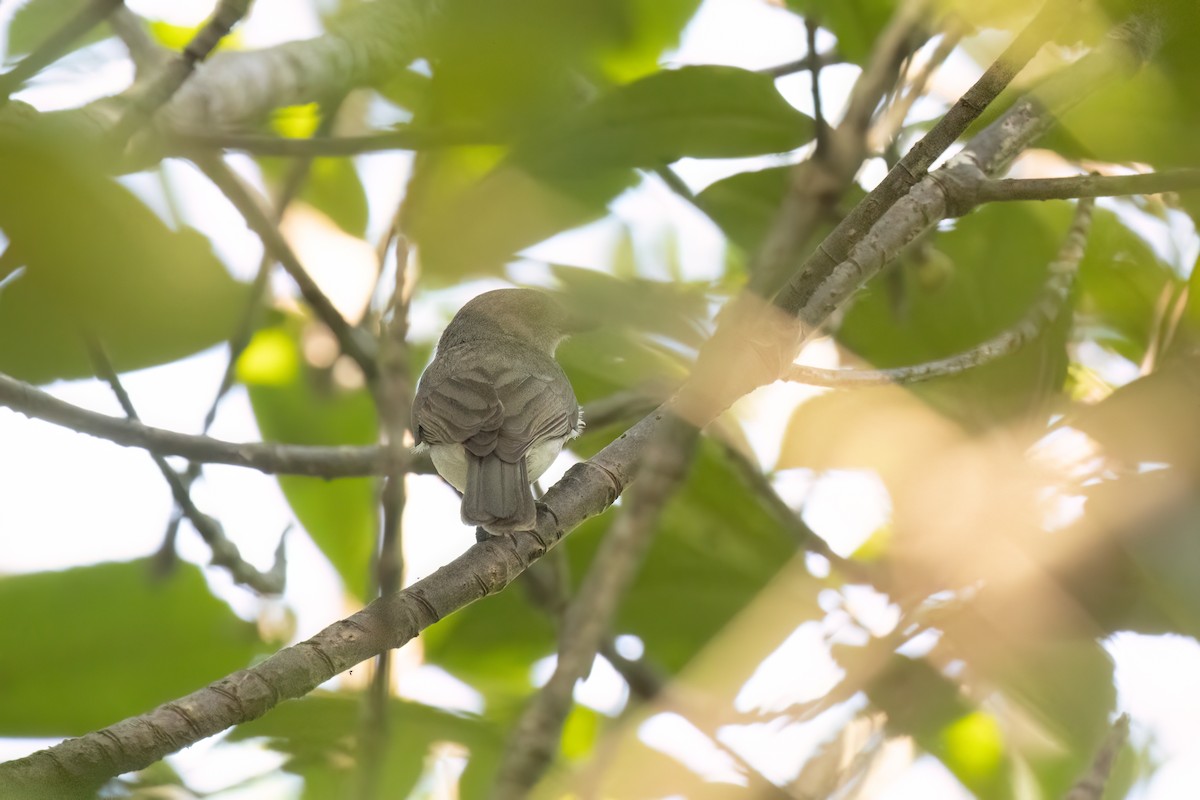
(537, 408)
(458, 409)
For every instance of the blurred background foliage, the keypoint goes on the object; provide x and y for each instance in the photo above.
(993, 660)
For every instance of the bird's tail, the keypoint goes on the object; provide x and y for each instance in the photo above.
(497, 496)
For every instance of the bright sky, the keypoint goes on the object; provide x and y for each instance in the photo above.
(119, 504)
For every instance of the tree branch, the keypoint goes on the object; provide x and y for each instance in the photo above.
(353, 342)
(1091, 786)
(53, 48)
(816, 184)
(164, 86)
(225, 553)
(1177, 180)
(813, 60)
(321, 462)
(402, 138)
(1044, 310)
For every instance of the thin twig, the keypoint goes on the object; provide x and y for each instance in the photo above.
(227, 14)
(393, 397)
(225, 553)
(402, 138)
(820, 125)
(147, 55)
(321, 462)
(251, 312)
(55, 46)
(895, 114)
(1091, 786)
(1043, 311)
(813, 60)
(588, 618)
(353, 342)
(675, 183)
(1176, 180)
(817, 183)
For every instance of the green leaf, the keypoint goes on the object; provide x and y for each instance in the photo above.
(746, 205)
(701, 112)
(1121, 283)
(321, 735)
(99, 263)
(87, 647)
(36, 20)
(565, 172)
(999, 259)
(922, 703)
(298, 404)
(1152, 419)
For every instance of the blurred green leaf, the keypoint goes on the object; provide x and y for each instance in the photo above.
(298, 404)
(99, 263)
(922, 703)
(701, 112)
(746, 205)
(36, 20)
(1000, 257)
(1152, 419)
(1121, 283)
(565, 171)
(855, 23)
(321, 735)
(676, 310)
(87, 647)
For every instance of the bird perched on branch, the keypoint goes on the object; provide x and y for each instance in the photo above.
(494, 407)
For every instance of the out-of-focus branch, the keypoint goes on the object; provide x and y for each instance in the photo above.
(816, 184)
(55, 46)
(251, 312)
(353, 342)
(893, 117)
(1091, 786)
(393, 399)
(402, 138)
(1043, 311)
(589, 615)
(811, 61)
(147, 55)
(225, 553)
(157, 92)
(1176, 180)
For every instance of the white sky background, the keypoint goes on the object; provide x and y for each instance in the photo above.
(68, 500)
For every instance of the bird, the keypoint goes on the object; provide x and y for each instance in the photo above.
(494, 408)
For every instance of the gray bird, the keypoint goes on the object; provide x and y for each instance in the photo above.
(494, 406)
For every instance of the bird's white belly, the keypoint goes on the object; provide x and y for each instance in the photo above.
(450, 460)
(539, 457)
